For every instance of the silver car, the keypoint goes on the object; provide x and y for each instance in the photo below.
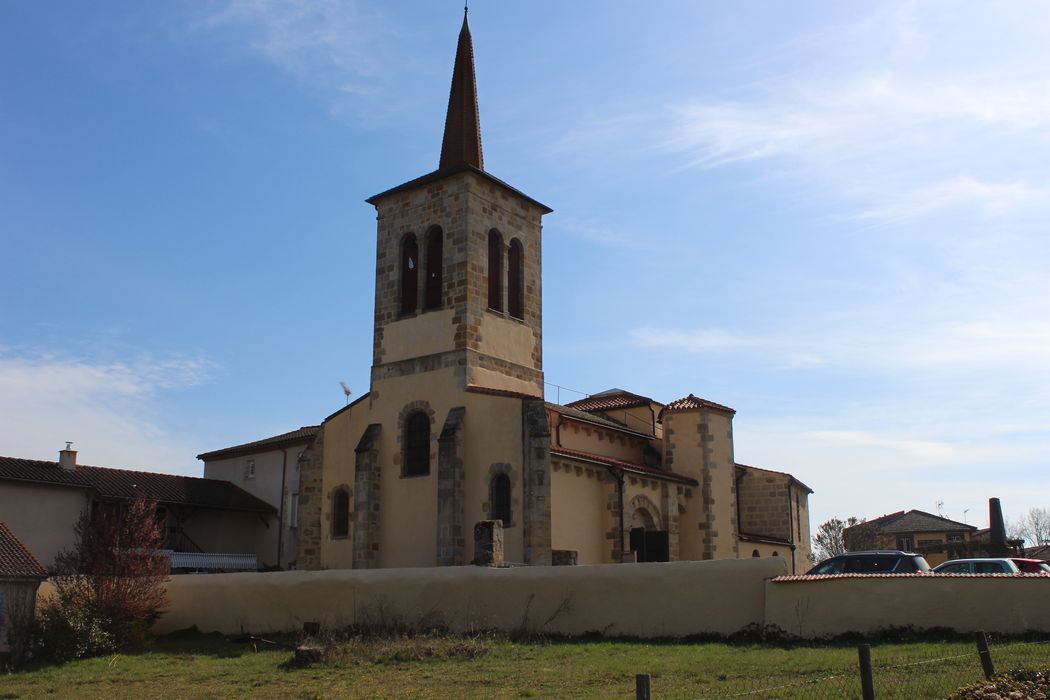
(976, 566)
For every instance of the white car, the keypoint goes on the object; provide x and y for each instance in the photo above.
(976, 566)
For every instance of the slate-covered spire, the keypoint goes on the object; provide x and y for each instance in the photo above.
(462, 140)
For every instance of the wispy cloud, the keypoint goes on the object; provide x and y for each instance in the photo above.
(110, 409)
(340, 47)
(698, 340)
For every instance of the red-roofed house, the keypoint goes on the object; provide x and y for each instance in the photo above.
(42, 501)
(269, 470)
(20, 576)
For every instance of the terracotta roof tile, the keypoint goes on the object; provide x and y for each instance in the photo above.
(903, 522)
(126, 483)
(605, 422)
(632, 467)
(294, 437)
(15, 560)
(610, 400)
(693, 402)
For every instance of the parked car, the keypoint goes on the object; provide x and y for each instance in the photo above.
(977, 566)
(1031, 566)
(883, 561)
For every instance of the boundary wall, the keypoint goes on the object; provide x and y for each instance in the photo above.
(825, 606)
(640, 600)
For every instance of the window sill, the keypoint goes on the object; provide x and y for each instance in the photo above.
(415, 476)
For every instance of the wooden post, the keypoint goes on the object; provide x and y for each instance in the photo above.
(867, 680)
(643, 687)
(985, 653)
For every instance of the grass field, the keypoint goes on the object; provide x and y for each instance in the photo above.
(192, 665)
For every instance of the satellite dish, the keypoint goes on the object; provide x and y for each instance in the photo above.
(346, 391)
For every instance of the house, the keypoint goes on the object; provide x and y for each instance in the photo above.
(455, 429)
(42, 501)
(20, 576)
(938, 539)
(269, 470)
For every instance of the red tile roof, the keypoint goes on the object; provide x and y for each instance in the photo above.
(610, 400)
(15, 560)
(593, 419)
(693, 402)
(903, 522)
(302, 436)
(632, 467)
(126, 483)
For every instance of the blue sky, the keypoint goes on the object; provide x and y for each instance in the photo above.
(831, 217)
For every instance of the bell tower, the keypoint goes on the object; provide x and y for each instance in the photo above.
(458, 264)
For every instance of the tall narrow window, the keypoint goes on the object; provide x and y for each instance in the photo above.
(417, 445)
(499, 499)
(433, 297)
(409, 273)
(341, 513)
(495, 271)
(515, 280)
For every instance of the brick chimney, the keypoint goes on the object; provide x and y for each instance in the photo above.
(67, 458)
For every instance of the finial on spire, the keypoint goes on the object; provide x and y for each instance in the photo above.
(462, 140)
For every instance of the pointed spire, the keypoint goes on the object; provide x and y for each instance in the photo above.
(462, 140)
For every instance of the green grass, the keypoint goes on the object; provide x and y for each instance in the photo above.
(191, 665)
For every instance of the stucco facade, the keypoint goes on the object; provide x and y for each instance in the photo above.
(454, 429)
(269, 470)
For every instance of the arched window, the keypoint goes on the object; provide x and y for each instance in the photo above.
(433, 294)
(417, 444)
(499, 498)
(495, 271)
(516, 280)
(341, 512)
(409, 273)
(775, 554)
(754, 553)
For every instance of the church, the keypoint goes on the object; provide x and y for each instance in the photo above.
(454, 429)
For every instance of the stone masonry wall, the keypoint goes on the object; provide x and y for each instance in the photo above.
(311, 493)
(764, 505)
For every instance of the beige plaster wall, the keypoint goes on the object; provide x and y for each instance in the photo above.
(408, 516)
(645, 600)
(42, 517)
(832, 606)
(580, 517)
(423, 334)
(699, 444)
(506, 338)
(585, 437)
(747, 550)
(266, 485)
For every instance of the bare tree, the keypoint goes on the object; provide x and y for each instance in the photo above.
(109, 588)
(1033, 527)
(832, 539)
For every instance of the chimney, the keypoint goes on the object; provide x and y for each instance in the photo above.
(67, 458)
(996, 529)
